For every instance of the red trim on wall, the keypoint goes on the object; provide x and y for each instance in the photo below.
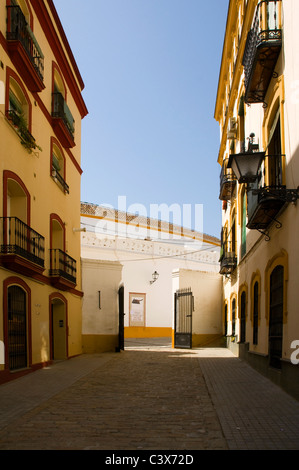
(45, 112)
(11, 73)
(19, 282)
(65, 42)
(49, 119)
(74, 161)
(61, 58)
(3, 42)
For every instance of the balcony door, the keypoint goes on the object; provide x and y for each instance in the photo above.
(16, 201)
(57, 245)
(16, 212)
(57, 235)
(274, 152)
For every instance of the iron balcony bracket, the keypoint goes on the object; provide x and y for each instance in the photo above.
(286, 195)
(265, 233)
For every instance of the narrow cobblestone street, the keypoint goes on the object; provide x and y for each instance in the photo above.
(148, 398)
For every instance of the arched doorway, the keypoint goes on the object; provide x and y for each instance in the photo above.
(276, 317)
(58, 328)
(225, 320)
(17, 328)
(243, 318)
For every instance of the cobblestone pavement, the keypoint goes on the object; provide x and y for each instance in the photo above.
(148, 397)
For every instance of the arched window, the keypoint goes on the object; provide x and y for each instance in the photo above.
(234, 317)
(63, 121)
(255, 305)
(18, 109)
(274, 152)
(16, 197)
(243, 318)
(25, 10)
(233, 238)
(58, 82)
(276, 278)
(62, 266)
(276, 316)
(57, 229)
(255, 312)
(22, 45)
(18, 106)
(243, 222)
(58, 166)
(225, 319)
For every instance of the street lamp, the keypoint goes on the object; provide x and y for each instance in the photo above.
(155, 276)
(246, 164)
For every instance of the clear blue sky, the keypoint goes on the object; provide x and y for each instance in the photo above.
(150, 69)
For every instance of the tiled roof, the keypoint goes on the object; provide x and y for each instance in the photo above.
(109, 214)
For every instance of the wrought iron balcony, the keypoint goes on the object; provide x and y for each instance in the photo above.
(62, 270)
(228, 258)
(262, 50)
(21, 248)
(60, 180)
(227, 183)
(63, 121)
(24, 49)
(18, 122)
(264, 203)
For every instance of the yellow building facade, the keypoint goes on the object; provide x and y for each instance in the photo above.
(258, 114)
(41, 108)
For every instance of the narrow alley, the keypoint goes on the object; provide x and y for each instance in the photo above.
(148, 397)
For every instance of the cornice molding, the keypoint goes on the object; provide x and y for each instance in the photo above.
(66, 62)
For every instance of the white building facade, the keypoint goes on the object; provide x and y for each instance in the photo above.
(257, 110)
(151, 260)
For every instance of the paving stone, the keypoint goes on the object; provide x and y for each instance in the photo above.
(151, 398)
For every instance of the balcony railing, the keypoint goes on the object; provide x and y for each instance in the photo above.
(57, 177)
(262, 49)
(19, 30)
(228, 258)
(18, 122)
(227, 184)
(61, 110)
(264, 203)
(17, 238)
(62, 266)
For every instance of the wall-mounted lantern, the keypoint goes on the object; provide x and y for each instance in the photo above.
(155, 277)
(246, 164)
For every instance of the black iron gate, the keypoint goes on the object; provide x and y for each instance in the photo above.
(183, 308)
(121, 314)
(17, 328)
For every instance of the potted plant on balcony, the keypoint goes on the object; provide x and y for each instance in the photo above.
(27, 139)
